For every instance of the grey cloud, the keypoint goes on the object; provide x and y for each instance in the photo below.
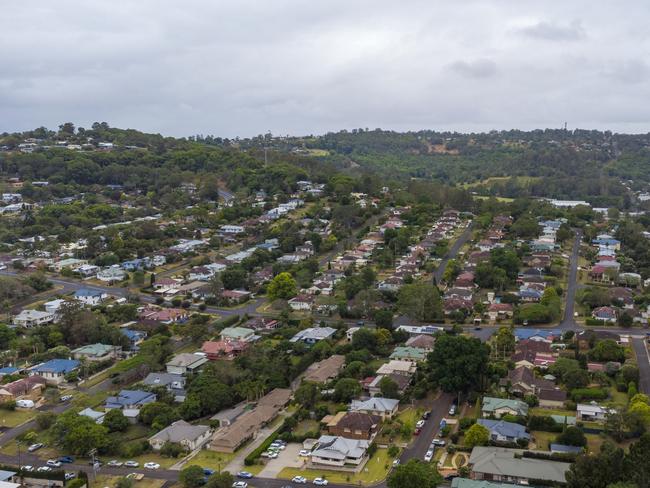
(551, 31)
(243, 67)
(480, 68)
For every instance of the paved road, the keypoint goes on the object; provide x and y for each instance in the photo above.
(568, 322)
(643, 360)
(453, 252)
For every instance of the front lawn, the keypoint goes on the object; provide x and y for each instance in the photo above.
(374, 471)
(212, 459)
(12, 418)
(111, 481)
(543, 439)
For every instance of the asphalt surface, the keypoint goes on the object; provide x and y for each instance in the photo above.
(643, 361)
(453, 252)
(568, 322)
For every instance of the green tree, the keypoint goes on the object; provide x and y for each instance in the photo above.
(388, 387)
(414, 473)
(346, 389)
(307, 394)
(477, 435)
(597, 471)
(637, 468)
(458, 363)
(283, 286)
(192, 476)
(504, 341)
(420, 301)
(572, 436)
(220, 480)
(115, 421)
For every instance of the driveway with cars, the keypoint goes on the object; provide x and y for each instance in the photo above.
(288, 458)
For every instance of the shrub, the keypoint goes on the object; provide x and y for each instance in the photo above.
(580, 394)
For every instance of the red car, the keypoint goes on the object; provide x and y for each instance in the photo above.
(417, 431)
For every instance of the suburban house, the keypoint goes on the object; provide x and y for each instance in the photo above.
(90, 297)
(312, 335)
(402, 382)
(500, 464)
(353, 425)
(54, 370)
(386, 408)
(422, 341)
(215, 350)
(112, 274)
(606, 314)
(497, 407)
(407, 353)
(502, 431)
(247, 425)
(189, 436)
(325, 370)
(185, 362)
(54, 306)
(406, 368)
(552, 398)
(97, 352)
(500, 311)
(175, 383)
(337, 452)
(301, 302)
(591, 413)
(164, 315)
(97, 416)
(130, 399)
(238, 334)
(33, 318)
(228, 416)
(234, 297)
(470, 483)
(30, 388)
(261, 323)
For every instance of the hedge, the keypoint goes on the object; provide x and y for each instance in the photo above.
(593, 321)
(252, 457)
(227, 322)
(580, 394)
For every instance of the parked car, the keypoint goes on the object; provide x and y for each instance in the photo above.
(131, 464)
(44, 469)
(69, 476)
(419, 424)
(417, 431)
(151, 465)
(320, 481)
(426, 415)
(396, 463)
(53, 463)
(66, 459)
(35, 447)
(428, 456)
(28, 468)
(245, 475)
(438, 442)
(452, 409)
(301, 480)
(114, 463)
(304, 453)
(240, 484)
(66, 398)
(208, 471)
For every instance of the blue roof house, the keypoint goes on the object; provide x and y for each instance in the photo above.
(130, 399)
(54, 370)
(502, 431)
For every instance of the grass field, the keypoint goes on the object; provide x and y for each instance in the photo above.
(111, 481)
(211, 459)
(375, 470)
(15, 417)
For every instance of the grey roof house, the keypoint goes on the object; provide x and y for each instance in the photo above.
(180, 432)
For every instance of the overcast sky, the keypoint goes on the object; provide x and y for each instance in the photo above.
(246, 67)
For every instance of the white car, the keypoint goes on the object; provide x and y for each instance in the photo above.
(438, 442)
(396, 463)
(428, 456)
(44, 469)
(272, 454)
(320, 481)
(69, 476)
(28, 468)
(304, 453)
(419, 424)
(240, 484)
(301, 480)
(151, 465)
(131, 464)
(53, 463)
(452, 410)
(114, 463)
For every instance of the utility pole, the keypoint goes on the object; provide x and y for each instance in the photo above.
(92, 455)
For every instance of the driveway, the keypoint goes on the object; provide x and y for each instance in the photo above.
(286, 459)
(237, 464)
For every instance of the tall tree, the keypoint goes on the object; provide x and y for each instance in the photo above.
(458, 363)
